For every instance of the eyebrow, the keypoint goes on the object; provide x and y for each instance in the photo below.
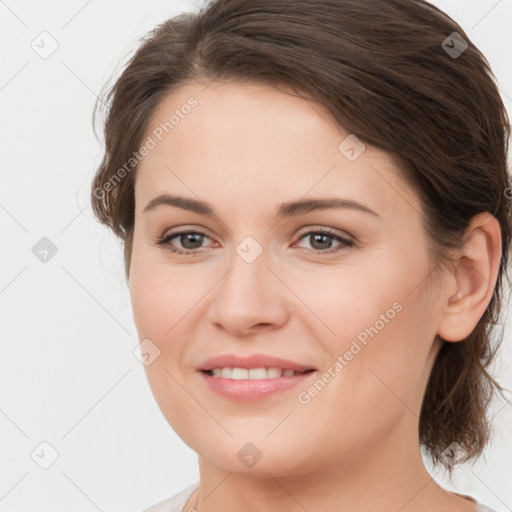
(288, 209)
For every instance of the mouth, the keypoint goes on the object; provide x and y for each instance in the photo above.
(254, 377)
(249, 385)
(254, 373)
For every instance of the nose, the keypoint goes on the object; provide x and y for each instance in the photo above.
(249, 298)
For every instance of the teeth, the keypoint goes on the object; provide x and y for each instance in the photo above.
(253, 373)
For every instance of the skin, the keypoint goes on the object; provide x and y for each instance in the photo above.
(245, 149)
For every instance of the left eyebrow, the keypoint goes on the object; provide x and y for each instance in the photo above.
(308, 205)
(288, 209)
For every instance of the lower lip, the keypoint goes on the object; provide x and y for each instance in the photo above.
(248, 390)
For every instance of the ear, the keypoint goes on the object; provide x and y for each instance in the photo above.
(474, 279)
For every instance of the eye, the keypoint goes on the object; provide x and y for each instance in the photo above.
(190, 241)
(321, 241)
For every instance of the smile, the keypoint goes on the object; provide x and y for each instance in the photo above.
(254, 373)
(248, 385)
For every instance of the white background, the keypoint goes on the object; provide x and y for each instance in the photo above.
(68, 375)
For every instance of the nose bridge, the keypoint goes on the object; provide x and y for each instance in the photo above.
(248, 274)
(246, 295)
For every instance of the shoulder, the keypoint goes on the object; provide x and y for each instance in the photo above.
(174, 503)
(480, 507)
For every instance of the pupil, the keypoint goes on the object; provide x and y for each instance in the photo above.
(319, 237)
(187, 237)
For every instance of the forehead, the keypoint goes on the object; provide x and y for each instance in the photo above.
(251, 145)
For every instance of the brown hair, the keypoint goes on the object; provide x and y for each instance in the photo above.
(385, 71)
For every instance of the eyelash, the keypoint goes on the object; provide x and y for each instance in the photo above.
(163, 241)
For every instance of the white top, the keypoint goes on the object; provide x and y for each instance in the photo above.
(178, 501)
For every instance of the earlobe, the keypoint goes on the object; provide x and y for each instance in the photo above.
(475, 274)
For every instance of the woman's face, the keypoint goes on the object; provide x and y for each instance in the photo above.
(360, 312)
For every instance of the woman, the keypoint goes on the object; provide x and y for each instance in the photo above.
(312, 198)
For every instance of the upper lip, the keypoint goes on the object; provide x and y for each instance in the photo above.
(253, 361)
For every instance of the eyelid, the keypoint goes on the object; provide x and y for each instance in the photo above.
(345, 243)
(163, 240)
(304, 230)
(325, 229)
(187, 229)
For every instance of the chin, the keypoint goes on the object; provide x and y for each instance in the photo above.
(251, 456)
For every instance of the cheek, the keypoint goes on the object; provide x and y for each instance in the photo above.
(380, 379)
(159, 303)
(346, 298)
(377, 322)
(159, 293)
(157, 315)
